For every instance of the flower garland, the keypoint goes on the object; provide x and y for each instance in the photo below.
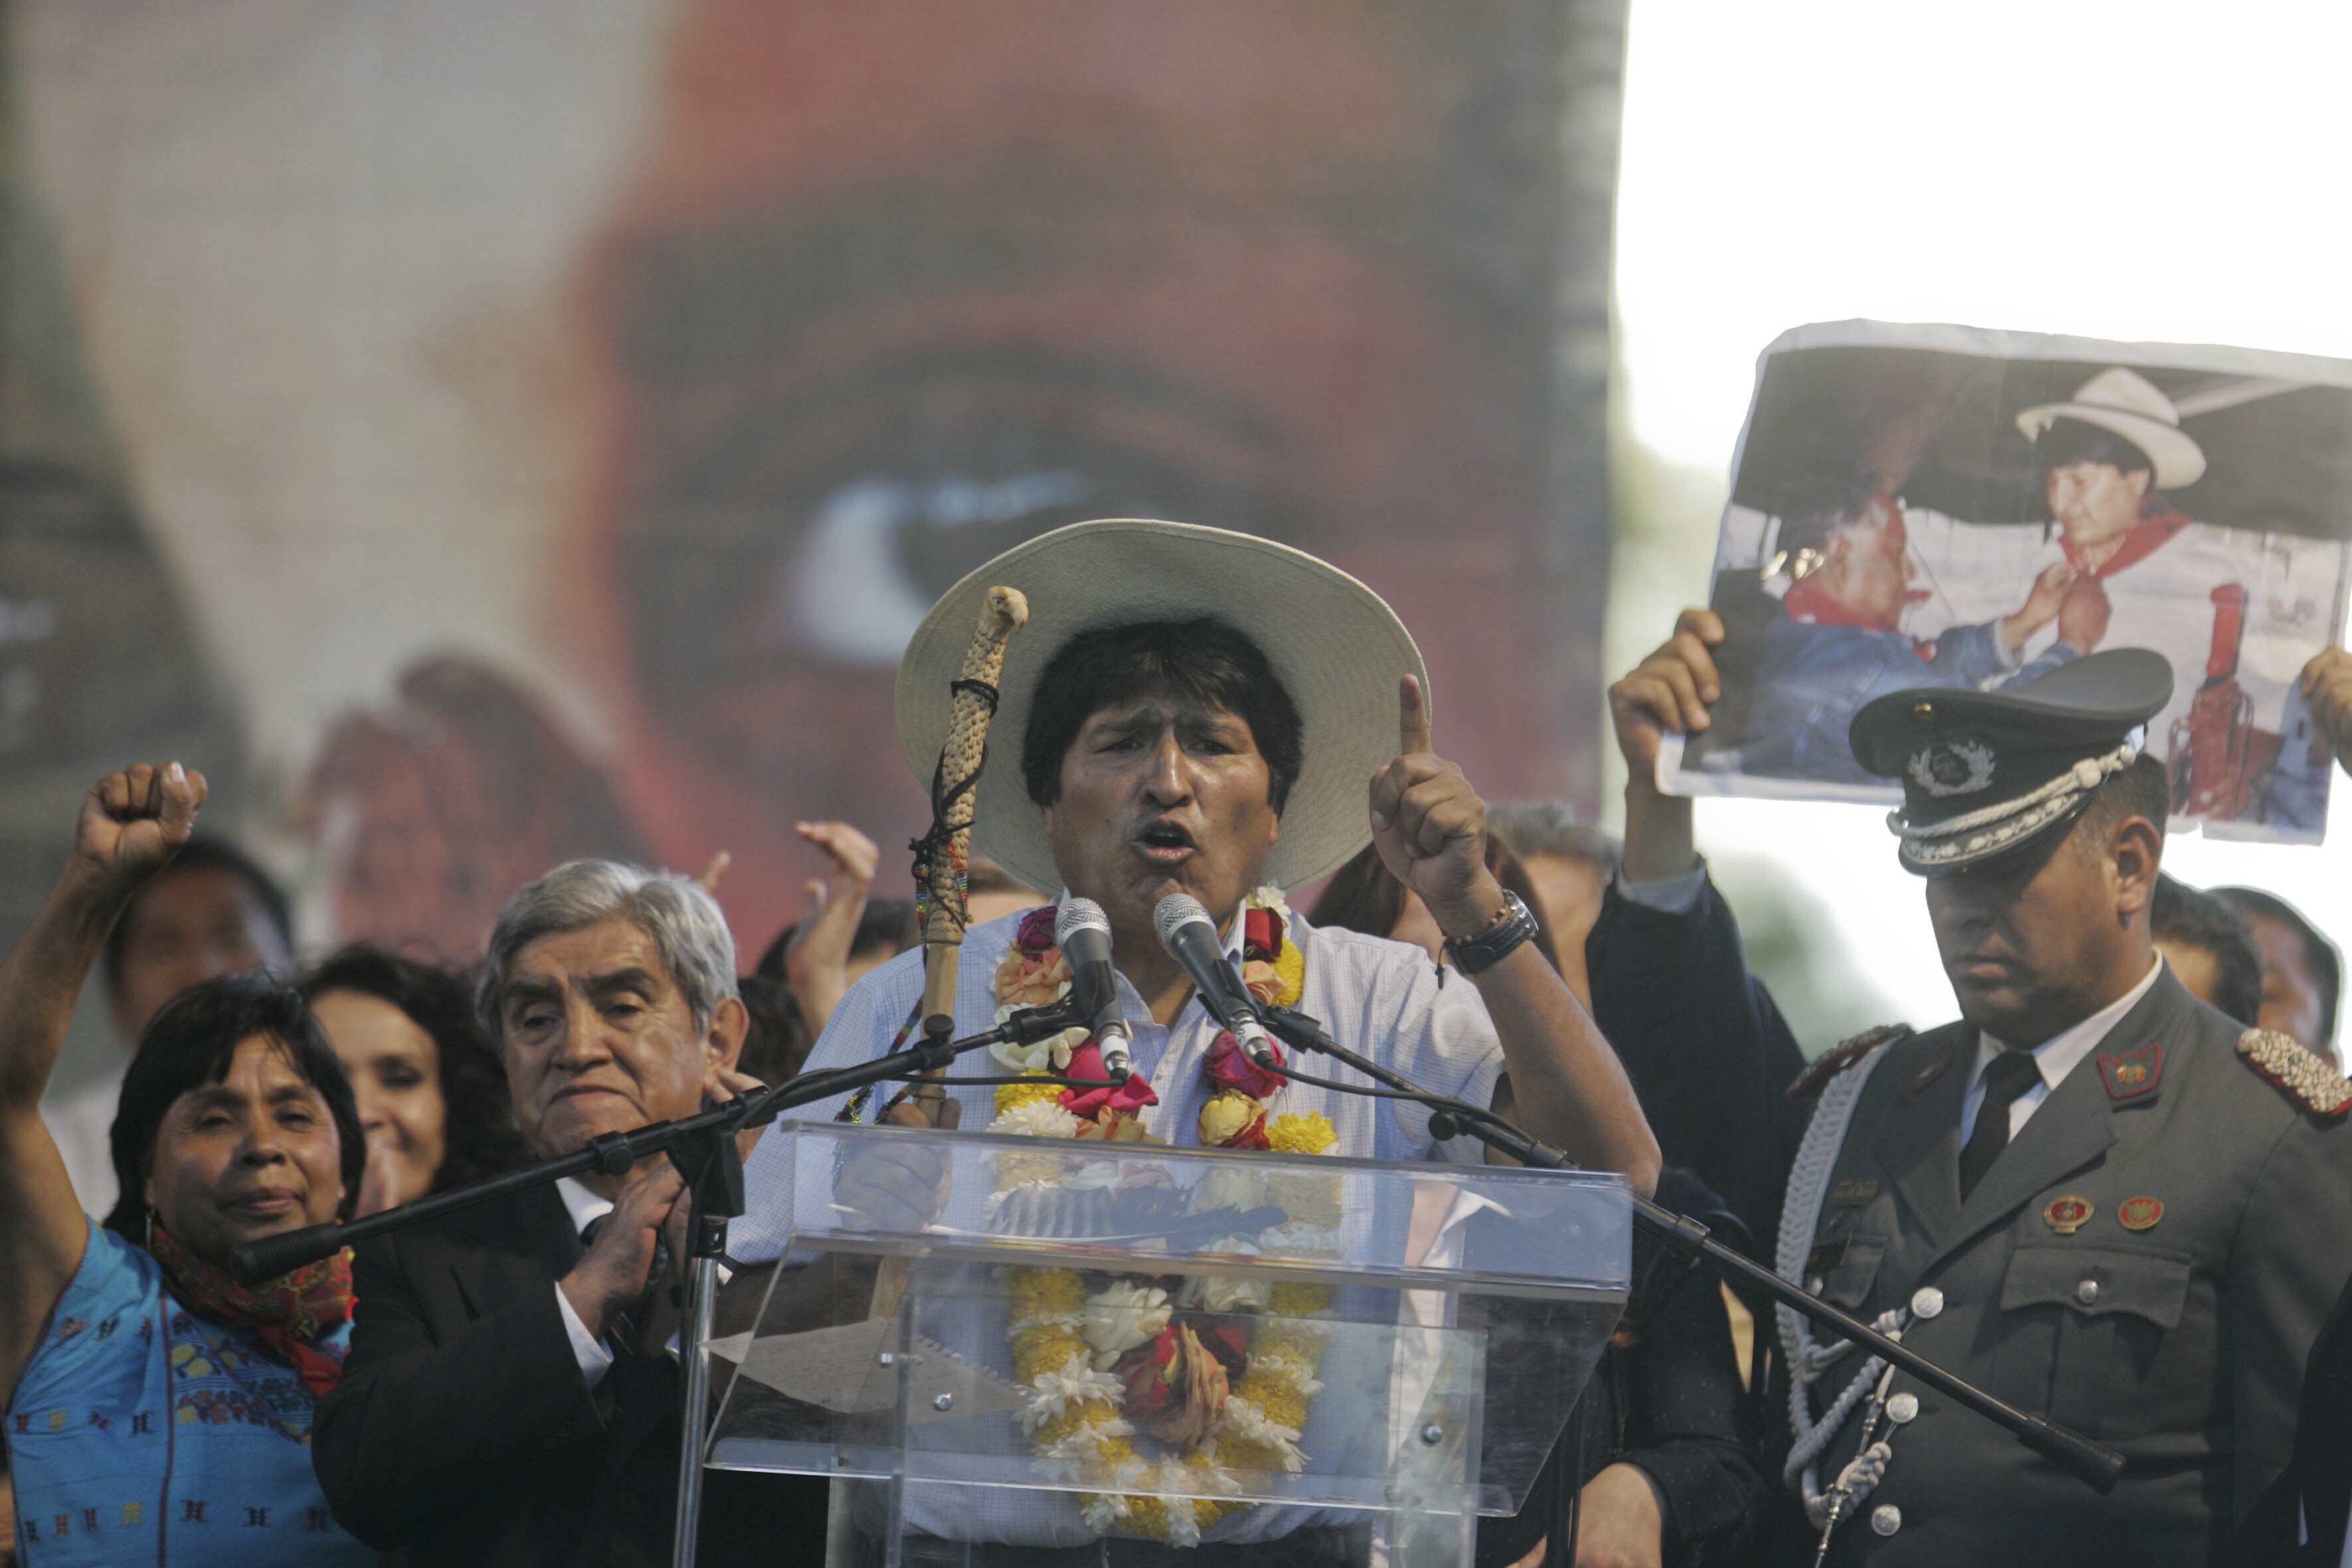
(1224, 1373)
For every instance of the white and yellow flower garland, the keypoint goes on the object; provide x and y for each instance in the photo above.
(1065, 1342)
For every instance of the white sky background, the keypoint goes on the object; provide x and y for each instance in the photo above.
(2146, 172)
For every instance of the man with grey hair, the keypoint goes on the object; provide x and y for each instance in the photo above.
(509, 1397)
(1571, 862)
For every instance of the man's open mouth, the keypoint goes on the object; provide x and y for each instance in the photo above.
(1165, 843)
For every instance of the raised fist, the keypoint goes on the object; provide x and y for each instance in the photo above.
(134, 821)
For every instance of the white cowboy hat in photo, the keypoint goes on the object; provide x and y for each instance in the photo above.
(2124, 403)
(1335, 644)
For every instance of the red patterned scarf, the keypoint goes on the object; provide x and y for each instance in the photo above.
(287, 1314)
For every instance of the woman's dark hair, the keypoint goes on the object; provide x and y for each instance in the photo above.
(191, 1043)
(2072, 441)
(480, 1138)
(1362, 895)
(2191, 917)
(1204, 661)
(779, 1038)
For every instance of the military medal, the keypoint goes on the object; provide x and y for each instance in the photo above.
(2138, 1214)
(2131, 1074)
(2065, 1215)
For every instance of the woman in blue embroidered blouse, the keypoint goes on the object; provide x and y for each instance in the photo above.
(156, 1409)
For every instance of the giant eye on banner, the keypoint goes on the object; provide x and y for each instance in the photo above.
(532, 430)
(1920, 507)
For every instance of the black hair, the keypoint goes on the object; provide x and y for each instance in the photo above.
(480, 1138)
(200, 854)
(1820, 505)
(1204, 661)
(190, 1043)
(2072, 441)
(2143, 789)
(2191, 917)
(2326, 964)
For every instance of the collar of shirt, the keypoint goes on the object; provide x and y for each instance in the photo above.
(582, 1204)
(2056, 1057)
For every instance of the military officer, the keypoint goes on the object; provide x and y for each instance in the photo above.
(2142, 1240)
(2095, 1196)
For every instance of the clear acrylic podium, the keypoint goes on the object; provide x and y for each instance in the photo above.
(1218, 1345)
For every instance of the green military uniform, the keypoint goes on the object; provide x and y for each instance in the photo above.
(2146, 1263)
(2146, 1259)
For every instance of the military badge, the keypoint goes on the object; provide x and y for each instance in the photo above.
(2131, 1074)
(2065, 1215)
(1952, 767)
(2310, 1081)
(1931, 1070)
(2139, 1213)
(1852, 1194)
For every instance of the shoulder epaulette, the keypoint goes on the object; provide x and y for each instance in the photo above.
(2309, 1079)
(1815, 1077)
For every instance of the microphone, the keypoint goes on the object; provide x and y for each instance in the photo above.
(1191, 939)
(1083, 933)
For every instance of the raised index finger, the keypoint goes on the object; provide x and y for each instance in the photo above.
(1412, 718)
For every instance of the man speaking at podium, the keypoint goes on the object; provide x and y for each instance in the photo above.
(1198, 711)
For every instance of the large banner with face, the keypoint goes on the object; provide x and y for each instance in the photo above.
(1917, 507)
(510, 433)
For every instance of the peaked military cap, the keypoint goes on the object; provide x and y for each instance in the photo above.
(1984, 772)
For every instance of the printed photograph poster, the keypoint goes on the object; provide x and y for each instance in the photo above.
(1944, 506)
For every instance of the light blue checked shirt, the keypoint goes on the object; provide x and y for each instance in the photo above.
(1382, 997)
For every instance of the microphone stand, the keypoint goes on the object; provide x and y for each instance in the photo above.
(703, 1147)
(2098, 1467)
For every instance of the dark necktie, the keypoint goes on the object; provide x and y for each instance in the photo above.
(640, 1389)
(2008, 1075)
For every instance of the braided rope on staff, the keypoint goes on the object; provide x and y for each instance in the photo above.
(943, 855)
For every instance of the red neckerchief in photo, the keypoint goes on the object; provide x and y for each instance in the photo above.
(2157, 524)
(1808, 602)
(288, 1315)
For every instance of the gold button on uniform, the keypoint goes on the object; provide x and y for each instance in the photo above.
(1927, 1301)
(1903, 1409)
(2087, 1291)
(1886, 1519)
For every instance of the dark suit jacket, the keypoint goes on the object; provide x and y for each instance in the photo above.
(2179, 1343)
(2316, 1492)
(1666, 1397)
(463, 1432)
(1710, 1054)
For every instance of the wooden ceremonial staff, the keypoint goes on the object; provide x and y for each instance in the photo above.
(942, 854)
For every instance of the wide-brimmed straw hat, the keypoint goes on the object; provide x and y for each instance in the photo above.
(2124, 403)
(1335, 644)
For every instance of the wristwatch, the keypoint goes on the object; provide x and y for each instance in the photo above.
(1491, 946)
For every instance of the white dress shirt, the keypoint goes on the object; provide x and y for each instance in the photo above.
(2056, 1057)
(586, 1348)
